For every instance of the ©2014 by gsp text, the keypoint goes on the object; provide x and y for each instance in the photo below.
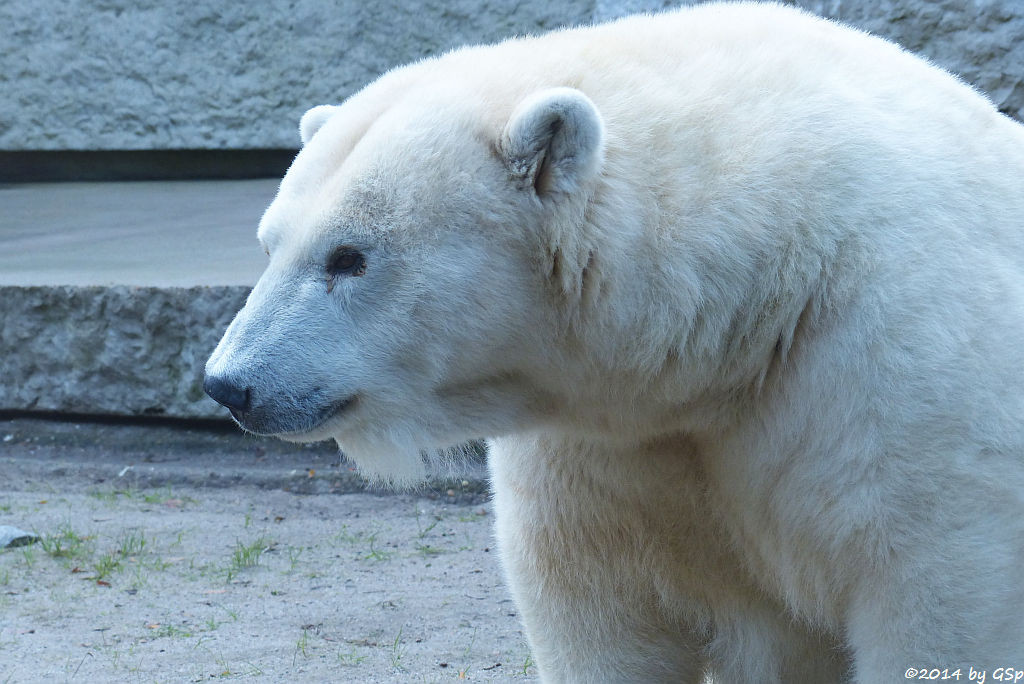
(969, 674)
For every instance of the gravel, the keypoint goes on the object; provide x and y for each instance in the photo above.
(145, 572)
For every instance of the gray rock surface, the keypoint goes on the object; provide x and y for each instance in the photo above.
(117, 350)
(144, 74)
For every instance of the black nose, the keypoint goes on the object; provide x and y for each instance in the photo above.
(227, 394)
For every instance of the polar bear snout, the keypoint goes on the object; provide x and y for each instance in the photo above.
(267, 413)
(228, 394)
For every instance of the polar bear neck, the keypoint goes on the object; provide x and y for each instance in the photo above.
(693, 324)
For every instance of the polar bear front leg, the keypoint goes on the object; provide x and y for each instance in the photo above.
(583, 622)
(582, 574)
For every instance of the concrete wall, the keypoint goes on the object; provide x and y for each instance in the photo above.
(222, 74)
(143, 74)
(119, 350)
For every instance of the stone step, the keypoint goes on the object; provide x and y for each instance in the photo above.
(112, 295)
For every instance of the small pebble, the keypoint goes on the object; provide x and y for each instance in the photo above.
(12, 536)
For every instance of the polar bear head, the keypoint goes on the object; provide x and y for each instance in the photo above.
(404, 305)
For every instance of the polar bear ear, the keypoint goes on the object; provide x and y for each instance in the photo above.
(554, 141)
(314, 119)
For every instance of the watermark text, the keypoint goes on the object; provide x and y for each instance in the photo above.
(970, 674)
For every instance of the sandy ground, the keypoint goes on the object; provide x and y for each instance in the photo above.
(149, 571)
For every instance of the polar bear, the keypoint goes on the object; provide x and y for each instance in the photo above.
(738, 295)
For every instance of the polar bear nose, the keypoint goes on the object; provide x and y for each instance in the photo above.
(227, 394)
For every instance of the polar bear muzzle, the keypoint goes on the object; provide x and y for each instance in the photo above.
(266, 417)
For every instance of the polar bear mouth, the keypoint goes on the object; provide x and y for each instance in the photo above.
(324, 416)
(307, 429)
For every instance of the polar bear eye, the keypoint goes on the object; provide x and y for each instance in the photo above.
(346, 261)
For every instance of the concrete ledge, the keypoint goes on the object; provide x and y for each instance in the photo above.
(164, 234)
(118, 350)
(113, 295)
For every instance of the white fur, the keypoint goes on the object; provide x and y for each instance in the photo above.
(314, 119)
(739, 295)
(553, 141)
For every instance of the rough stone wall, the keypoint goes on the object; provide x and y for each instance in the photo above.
(112, 350)
(149, 74)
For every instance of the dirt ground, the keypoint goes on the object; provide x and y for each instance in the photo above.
(151, 569)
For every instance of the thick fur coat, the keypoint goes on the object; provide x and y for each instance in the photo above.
(737, 292)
